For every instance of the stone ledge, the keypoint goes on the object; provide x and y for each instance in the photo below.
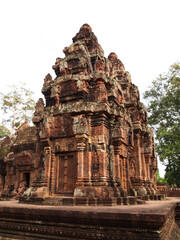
(89, 201)
(153, 220)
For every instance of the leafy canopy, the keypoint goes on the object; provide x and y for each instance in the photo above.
(164, 110)
(17, 106)
(160, 179)
(4, 132)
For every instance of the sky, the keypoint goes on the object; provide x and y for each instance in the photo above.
(143, 33)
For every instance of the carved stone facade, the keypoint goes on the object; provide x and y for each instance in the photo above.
(93, 141)
(19, 160)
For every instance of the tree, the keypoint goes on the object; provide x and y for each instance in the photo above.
(4, 132)
(160, 179)
(18, 107)
(164, 110)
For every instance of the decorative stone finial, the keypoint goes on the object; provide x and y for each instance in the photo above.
(48, 78)
(112, 55)
(86, 26)
(85, 32)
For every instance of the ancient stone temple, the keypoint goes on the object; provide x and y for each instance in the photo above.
(17, 159)
(94, 145)
(91, 145)
(94, 141)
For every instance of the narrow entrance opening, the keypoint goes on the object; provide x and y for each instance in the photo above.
(27, 178)
(3, 180)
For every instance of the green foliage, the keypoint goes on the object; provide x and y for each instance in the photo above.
(160, 179)
(164, 110)
(4, 150)
(17, 105)
(4, 132)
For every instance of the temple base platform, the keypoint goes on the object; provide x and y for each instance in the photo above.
(89, 201)
(153, 220)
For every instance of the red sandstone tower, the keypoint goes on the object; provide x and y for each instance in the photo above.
(94, 142)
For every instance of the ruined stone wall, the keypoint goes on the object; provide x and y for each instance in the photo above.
(167, 191)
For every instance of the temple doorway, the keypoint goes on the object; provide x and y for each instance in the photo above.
(65, 173)
(27, 178)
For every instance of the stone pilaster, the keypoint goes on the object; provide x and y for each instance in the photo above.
(52, 173)
(117, 173)
(47, 165)
(81, 141)
(138, 149)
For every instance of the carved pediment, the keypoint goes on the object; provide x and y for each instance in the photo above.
(24, 159)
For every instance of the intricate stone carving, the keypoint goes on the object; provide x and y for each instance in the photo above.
(95, 127)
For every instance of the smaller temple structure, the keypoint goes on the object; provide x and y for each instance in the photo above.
(18, 159)
(91, 143)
